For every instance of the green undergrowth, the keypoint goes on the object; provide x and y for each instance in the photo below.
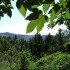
(56, 61)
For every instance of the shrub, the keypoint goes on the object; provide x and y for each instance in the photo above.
(67, 47)
(56, 61)
(31, 65)
(25, 58)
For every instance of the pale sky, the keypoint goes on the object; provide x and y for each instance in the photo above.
(17, 24)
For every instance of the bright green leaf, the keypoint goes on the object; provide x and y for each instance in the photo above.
(45, 7)
(53, 15)
(22, 10)
(31, 26)
(40, 26)
(41, 22)
(38, 23)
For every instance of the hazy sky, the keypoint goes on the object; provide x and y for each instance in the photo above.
(17, 24)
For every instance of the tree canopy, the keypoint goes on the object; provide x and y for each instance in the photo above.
(59, 12)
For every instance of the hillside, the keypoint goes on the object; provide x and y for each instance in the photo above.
(19, 36)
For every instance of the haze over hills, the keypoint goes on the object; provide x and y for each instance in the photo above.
(12, 35)
(19, 36)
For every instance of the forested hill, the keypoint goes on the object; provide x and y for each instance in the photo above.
(19, 36)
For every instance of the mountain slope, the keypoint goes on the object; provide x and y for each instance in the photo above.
(19, 36)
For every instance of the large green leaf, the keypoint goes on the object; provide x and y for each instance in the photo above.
(45, 7)
(31, 26)
(38, 23)
(41, 22)
(22, 10)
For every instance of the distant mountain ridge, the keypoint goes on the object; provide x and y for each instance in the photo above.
(19, 36)
(12, 35)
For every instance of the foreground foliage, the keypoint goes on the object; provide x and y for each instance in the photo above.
(59, 12)
(56, 61)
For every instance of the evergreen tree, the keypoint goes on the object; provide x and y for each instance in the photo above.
(48, 42)
(36, 45)
(60, 40)
(23, 44)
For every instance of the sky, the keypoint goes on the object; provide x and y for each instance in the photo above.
(17, 24)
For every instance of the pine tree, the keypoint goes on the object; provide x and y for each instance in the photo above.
(36, 45)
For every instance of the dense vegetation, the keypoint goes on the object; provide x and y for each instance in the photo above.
(51, 53)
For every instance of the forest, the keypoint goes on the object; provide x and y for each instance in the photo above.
(50, 53)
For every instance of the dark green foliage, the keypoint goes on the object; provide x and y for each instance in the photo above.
(34, 15)
(36, 46)
(19, 54)
(23, 43)
(4, 44)
(67, 47)
(48, 42)
(60, 40)
(25, 58)
(5, 8)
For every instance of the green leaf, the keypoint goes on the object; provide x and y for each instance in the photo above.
(40, 26)
(32, 16)
(45, 7)
(38, 23)
(31, 26)
(22, 10)
(9, 6)
(67, 15)
(34, 6)
(56, 8)
(61, 2)
(53, 15)
(41, 22)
